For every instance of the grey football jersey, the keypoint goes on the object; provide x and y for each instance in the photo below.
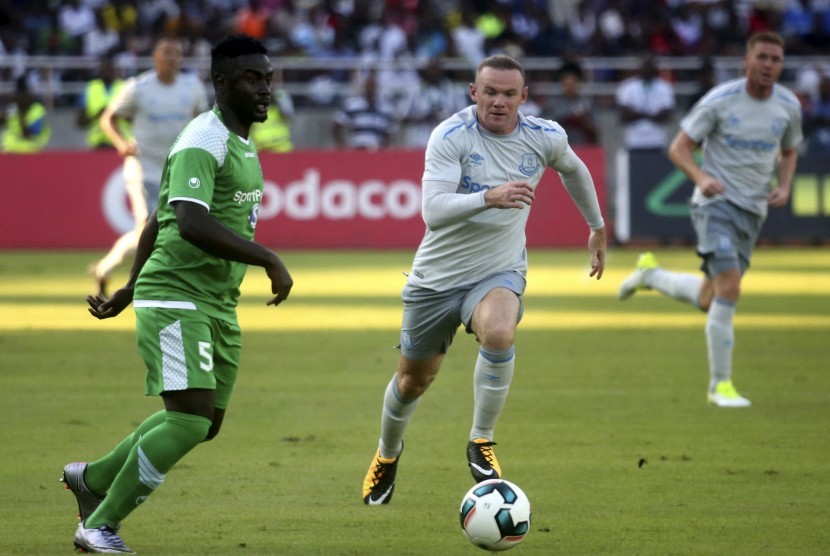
(742, 138)
(159, 112)
(493, 240)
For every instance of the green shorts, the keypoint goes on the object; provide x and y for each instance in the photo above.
(184, 349)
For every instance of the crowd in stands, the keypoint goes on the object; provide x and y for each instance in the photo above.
(414, 32)
(469, 29)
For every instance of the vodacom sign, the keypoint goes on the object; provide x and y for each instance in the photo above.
(304, 199)
(322, 199)
(312, 199)
(340, 199)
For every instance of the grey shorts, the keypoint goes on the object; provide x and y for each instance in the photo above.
(726, 235)
(431, 318)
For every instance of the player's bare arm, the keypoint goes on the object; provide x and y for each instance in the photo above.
(109, 125)
(514, 194)
(681, 152)
(779, 196)
(202, 230)
(107, 308)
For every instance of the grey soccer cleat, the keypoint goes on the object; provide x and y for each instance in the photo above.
(73, 479)
(103, 540)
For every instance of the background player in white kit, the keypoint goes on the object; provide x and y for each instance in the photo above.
(481, 170)
(159, 103)
(745, 126)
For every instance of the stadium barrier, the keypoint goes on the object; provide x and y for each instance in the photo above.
(652, 201)
(312, 199)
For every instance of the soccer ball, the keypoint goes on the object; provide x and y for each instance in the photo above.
(495, 515)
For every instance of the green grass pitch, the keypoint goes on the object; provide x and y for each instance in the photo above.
(606, 427)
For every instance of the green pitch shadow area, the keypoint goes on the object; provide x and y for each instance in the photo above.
(606, 428)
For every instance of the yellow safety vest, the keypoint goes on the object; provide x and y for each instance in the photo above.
(13, 140)
(272, 135)
(97, 98)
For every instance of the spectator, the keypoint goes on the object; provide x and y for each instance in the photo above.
(437, 99)
(76, 20)
(571, 110)
(120, 16)
(100, 40)
(274, 134)
(582, 25)
(687, 25)
(252, 19)
(817, 121)
(705, 81)
(467, 40)
(645, 102)
(796, 24)
(364, 124)
(27, 122)
(94, 100)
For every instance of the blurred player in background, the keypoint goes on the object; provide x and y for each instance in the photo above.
(159, 103)
(184, 286)
(481, 171)
(745, 127)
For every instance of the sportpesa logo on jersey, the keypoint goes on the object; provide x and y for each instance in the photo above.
(247, 197)
(746, 144)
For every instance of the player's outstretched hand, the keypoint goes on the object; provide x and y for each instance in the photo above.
(597, 245)
(281, 282)
(102, 308)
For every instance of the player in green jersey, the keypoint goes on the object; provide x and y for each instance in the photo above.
(184, 286)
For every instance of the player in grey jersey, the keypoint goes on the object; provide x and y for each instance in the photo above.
(746, 127)
(481, 170)
(159, 103)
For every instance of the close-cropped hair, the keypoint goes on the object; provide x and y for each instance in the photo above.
(500, 62)
(770, 37)
(232, 47)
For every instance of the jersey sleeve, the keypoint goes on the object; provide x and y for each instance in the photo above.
(192, 176)
(125, 103)
(442, 161)
(794, 134)
(700, 122)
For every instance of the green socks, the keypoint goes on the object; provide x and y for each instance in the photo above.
(100, 474)
(148, 461)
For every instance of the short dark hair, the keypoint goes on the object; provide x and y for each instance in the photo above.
(500, 62)
(232, 47)
(770, 37)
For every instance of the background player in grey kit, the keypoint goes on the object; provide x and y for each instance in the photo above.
(745, 126)
(159, 103)
(481, 170)
(184, 285)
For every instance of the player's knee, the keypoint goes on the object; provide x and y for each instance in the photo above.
(213, 432)
(498, 337)
(728, 286)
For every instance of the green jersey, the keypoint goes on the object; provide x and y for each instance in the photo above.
(212, 166)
